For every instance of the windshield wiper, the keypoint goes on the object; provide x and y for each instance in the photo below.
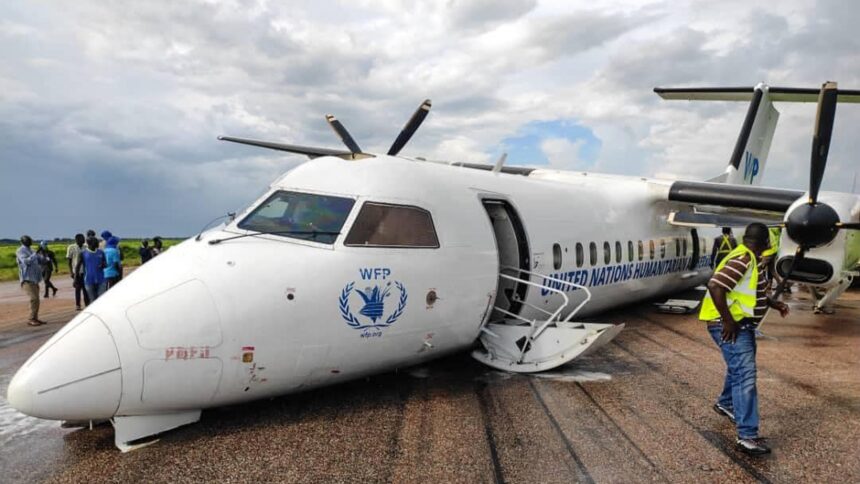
(314, 233)
(232, 216)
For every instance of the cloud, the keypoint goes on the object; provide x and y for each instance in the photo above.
(110, 111)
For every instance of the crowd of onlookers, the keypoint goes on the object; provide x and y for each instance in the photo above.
(95, 265)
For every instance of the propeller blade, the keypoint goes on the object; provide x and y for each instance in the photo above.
(344, 135)
(410, 128)
(821, 137)
(798, 256)
(849, 226)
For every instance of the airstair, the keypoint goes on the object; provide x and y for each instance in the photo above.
(522, 345)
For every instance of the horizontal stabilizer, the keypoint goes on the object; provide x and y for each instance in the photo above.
(735, 196)
(309, 151)
(785, 94)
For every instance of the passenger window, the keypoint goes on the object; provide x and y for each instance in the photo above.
(684, 245)
(641, 250)
(629, 251)
(617, 251)
(662, 248)
(592, 249)
(383, 225)
(556, 256)
(651, 250)
(607, 253)
(580, 256)
(677, 247)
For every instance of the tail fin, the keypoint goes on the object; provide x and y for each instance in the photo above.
(746, 166)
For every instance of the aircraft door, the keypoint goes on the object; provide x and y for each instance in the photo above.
(513, 252)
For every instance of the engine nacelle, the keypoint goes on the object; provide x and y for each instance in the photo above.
(825, 265)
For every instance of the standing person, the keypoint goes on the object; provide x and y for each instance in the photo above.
(156, 246)
(92, 262)
(722, 246)
(769, 256)
(48, 267)
(29, 274)
(145, 251)
(113, 264)
(733, 307)
(73, 255)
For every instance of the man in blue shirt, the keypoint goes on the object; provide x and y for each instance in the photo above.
(113, 264)
(93, 263)
(30, 274)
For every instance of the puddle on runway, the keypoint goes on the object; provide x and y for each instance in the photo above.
(14, 424)
(573, 375)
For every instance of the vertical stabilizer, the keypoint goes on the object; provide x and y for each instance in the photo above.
(747, 163)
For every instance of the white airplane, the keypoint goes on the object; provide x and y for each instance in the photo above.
(357, 263)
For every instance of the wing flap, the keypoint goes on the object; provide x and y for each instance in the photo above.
(702, 219)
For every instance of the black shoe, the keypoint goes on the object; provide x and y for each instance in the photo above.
(752, 446)
(724, 412)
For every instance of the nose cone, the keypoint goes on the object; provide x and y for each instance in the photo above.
(74, 376)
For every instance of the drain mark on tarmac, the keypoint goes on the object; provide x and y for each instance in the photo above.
(480, 391)
(623, 433)
(583, 474)
(715, 440)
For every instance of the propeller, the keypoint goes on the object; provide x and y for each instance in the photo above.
(814, 224)
(410, 128)
(354, 152)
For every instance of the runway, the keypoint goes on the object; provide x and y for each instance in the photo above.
(639, 410)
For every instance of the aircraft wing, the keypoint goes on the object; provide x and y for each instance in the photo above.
(309, 151)
(722, 205)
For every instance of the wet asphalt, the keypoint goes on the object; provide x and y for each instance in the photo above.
(638, 410)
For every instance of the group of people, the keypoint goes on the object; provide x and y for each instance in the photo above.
(95, 265)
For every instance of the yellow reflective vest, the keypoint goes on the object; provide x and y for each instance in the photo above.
(725, 249)
(773, 234)
(740, 300)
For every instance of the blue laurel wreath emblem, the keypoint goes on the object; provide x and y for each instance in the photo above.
(374, 304)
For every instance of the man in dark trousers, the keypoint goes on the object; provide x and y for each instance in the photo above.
(73, 255)
(48, 267)
(735, 304)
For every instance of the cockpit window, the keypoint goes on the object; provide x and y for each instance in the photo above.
(305, 216)
(384, 225)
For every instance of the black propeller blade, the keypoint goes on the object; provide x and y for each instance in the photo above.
(821, 138)
(344, 135)
(410, 128)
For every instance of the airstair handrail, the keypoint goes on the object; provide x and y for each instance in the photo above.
(530, 283)
(537, 331)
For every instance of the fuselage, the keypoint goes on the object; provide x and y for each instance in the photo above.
(207, 324)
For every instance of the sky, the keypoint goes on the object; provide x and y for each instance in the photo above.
(109, 111)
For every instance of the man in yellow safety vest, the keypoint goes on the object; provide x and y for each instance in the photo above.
(734, 305)
(722, 246)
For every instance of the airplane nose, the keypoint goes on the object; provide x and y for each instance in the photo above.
(74, 376)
